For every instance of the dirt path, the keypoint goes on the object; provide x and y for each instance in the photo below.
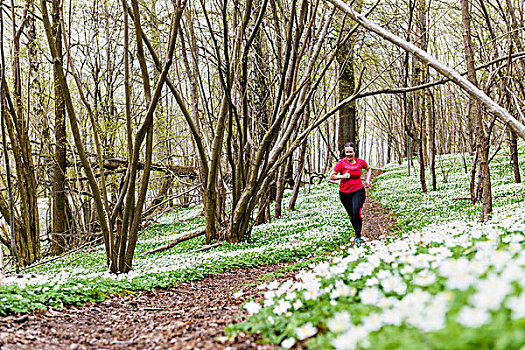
(188, 316)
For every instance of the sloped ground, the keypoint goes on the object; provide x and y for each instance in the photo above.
(187, 316)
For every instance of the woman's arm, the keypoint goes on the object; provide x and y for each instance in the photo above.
(368, 175)
(335, 176)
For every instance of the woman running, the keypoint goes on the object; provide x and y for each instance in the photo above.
(351, 191)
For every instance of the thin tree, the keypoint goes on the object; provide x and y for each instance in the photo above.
(482, 135)
(59, 224)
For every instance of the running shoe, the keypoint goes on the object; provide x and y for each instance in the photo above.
(358, 241)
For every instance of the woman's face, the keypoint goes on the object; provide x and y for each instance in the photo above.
(349, 152)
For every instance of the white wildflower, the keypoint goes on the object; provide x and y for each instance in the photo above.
(462, 280)
(272, 285)
(354, 276)
(392, 317)
(407, 270)
(252, 307)
(394, 284)
(350, 339)
(288, 343)
(297, 304)
(305, 331)
(291, 296)
(491, 292)
(372, 322)
(370, 295)
(372, 282)
(340, 322)
(517, 306)
(424, 278)
(340, 290)
(268, 298)
(473, 317)
(338, 269)
(383, 274)
(500, 258)
(281, 307)
(345, 341)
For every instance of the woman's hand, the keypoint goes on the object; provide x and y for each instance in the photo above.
(367, 184)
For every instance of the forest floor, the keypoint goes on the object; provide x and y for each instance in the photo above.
(190, 315)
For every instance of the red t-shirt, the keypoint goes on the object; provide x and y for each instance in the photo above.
(354, 183)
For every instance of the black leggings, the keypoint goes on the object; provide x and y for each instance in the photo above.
(353, 202)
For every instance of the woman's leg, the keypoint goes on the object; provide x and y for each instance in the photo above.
(358, 199)
(353, 202)
(346, 201)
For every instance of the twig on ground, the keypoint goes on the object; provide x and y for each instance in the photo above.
(208, 247)
(175, 242)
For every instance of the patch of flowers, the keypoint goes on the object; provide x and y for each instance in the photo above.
(446, 282)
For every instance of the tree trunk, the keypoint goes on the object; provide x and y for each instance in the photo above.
(347, 126)
(421, 72)
(513, 145)
(482, 137)
(300, 166)
(280, 190)
(59, 242)
(261, 71)
(432, 135)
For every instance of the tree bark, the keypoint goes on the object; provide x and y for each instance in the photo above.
(482, 137)
(59, 241)
(280, 191)
(300, 167)
(347, 126)
(514, 156)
